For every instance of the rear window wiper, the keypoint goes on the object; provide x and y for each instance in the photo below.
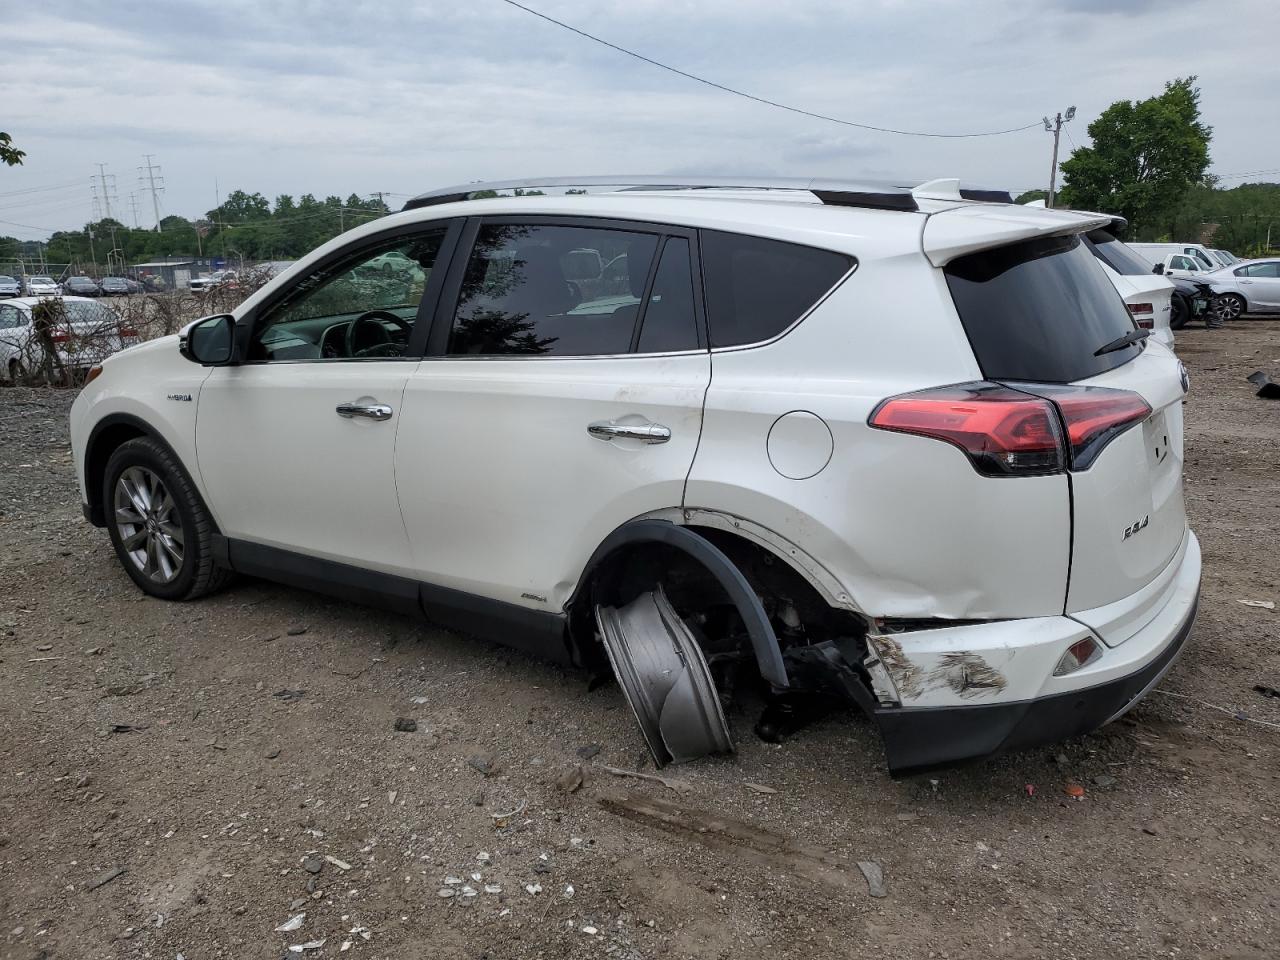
(1119, 343)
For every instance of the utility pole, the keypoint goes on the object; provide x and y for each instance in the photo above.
(152, 169)
(1055, 128)
(106, 193)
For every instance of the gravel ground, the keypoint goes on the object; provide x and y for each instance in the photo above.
(182, 779)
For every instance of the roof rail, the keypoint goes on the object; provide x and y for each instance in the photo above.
(876, 194)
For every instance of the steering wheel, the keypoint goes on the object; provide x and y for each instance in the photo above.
(371, 320)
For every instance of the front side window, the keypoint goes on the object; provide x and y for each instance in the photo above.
(552, 290)
(362, 308)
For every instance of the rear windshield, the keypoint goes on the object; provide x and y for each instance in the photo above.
(1039, 311)
(1116, 255)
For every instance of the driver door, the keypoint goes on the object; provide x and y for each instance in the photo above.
(295, 446)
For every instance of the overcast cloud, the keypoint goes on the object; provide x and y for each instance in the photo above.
(312, 96)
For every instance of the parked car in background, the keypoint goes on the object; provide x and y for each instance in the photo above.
(1251, 286)
(88, 333)
(40, 286)
(967, 523)
(134, 285)
(1224, 257)
(81, 287)
(9, 287)
(1148, 296)
(114, 287)
(216, 279)
(1159, 253)
(1181, 265)
(1192, 300)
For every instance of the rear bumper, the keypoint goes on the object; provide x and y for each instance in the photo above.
(919, 738)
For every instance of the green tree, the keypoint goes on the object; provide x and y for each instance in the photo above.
(9, 154)
(1030, 196)
(1146, 157)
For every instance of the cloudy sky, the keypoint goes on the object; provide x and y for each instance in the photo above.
(323, 97)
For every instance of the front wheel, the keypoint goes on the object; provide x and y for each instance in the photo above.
(1230, 306)
(161, 531)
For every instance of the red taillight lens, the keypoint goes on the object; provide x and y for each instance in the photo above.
(1003, 432)
(1094, 416)
(1147, 324)
(1136, 308)
(59, 336)
(128, 332)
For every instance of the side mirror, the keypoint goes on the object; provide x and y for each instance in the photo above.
(1158, 269)
(209, 342)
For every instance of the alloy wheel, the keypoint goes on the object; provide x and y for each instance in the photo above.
(150, 531)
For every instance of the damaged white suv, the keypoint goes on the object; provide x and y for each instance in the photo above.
(890, 446)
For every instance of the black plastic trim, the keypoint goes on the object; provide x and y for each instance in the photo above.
(95, 510)
(537, 632)
(918, 739)
(876, 201)
(763, 640)
(986, 196)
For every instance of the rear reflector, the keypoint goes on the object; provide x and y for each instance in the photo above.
(1079, 654)
(1147, 324)
(1034, 429)
(1003, 432)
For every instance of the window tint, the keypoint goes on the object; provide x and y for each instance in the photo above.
(1039, 310)
(1116, 255)
(670, 322)
(551, 290)
(326, 316)
(756, 288)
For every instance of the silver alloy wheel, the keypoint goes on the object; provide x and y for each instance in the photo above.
(149, 531)
(1230, 307)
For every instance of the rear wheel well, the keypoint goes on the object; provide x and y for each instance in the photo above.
(798, 614)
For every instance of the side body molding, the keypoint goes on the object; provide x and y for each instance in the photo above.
(763, 640)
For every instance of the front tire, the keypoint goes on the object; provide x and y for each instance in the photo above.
(1230, 306)
(159, 526)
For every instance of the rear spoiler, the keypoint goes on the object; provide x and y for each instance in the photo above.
(956, 232)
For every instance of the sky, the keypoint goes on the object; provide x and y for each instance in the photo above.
(321, 97)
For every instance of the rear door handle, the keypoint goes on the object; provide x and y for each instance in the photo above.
(644, 432)
(370, 411)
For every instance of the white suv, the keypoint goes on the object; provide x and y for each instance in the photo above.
(853, 443)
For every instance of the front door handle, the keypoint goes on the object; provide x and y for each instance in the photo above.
(644, 432)
(370, 411)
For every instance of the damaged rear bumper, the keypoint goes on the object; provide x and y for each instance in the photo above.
(917, 739)
(939, 728)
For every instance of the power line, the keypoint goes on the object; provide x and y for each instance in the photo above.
(45, 189)
(749, 96)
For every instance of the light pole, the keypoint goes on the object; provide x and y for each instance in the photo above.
(1055, 127)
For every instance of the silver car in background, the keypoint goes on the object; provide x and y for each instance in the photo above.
(9, 287)
(1251, 286)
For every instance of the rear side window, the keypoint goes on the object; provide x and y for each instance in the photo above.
(756, 288)
(1039, 311)
(1117, 255)
(670, 323)
(547, 290)
(1267, 270)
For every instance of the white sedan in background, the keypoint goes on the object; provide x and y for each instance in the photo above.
(1252, 286)
(89, 334)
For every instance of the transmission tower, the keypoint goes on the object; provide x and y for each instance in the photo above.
(108, 181)
(133, 208)
(154, 183)
(97, 203)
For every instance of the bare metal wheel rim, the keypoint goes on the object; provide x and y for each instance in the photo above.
(150, 531)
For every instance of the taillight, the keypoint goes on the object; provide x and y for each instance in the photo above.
(59, 336)
(1034, 429)
(1136, 308)
(1003, 432)
(1143, 314)
(128, 332)
(1093, 417)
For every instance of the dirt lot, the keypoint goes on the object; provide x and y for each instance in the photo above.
(217, 752)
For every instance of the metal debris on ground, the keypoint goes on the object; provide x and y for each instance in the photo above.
(292, 924)
(406, 725)
(875, 877)
(309, 945)
(1264, 604)
(1267, 388)
(104, 878)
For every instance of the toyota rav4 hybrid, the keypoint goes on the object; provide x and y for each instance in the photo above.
(893, 448)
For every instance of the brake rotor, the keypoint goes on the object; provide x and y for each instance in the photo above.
(665, 678)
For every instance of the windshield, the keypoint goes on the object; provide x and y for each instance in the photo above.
(1116, 255)
(4, 279)
(1039, 310)
(42, 279)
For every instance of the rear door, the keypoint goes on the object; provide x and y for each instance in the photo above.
(1042, 317)
(561, 397)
